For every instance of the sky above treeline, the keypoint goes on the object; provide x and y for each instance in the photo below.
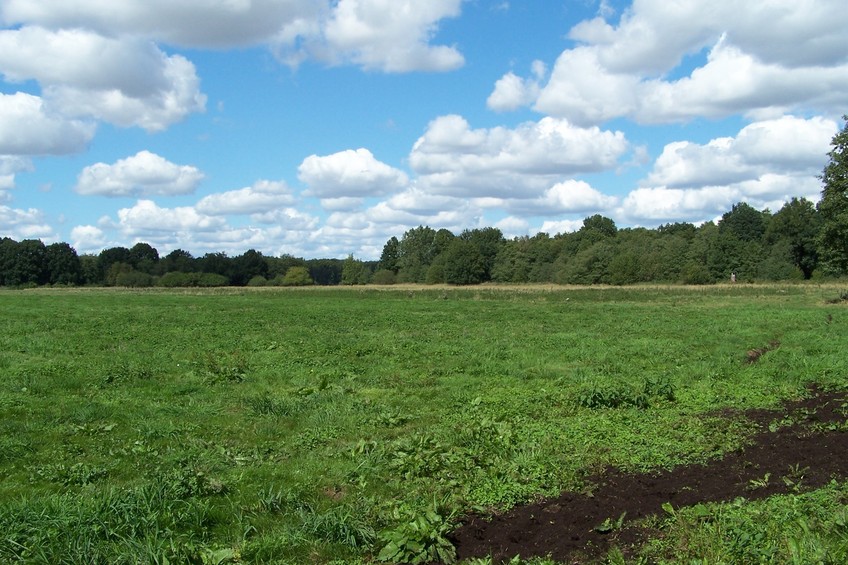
(321, 128)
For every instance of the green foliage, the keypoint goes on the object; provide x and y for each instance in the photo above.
(354, 271)
(222, 367)
(795, 528)
(418, 536)
(297, 276)
(463, 263)
(596, 396)
(833, 206)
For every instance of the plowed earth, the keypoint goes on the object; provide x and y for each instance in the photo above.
(807, 434)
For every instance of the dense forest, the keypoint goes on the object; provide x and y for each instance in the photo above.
(802, 240)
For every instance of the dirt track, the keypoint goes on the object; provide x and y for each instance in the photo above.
(565, 527)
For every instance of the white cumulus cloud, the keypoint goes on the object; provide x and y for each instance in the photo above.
(10, 165)
(28, 127)
(453, 159)
(263, 197)
(787, 145)
(385, 35)
(88, 239)
(145, 217)
(24, 224)
(142, 174)
(797, 61)
(350, 174)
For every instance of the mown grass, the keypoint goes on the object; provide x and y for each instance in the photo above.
(316, 425)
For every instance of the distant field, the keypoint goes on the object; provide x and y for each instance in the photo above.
(350, 424)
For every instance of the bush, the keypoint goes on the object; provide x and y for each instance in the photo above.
(384, 276)
(134, 279)
(212, 279)
(297, 276)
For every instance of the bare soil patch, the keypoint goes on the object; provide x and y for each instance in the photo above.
(807, 442)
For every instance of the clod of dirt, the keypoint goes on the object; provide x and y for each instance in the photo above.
(566, 528)
(753, 355)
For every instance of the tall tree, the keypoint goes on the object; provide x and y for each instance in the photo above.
(178, 260)
(489, 242)
(109, 257)
(8, 250)
(354, 271)
(416, 251)
(63, 264)
(463, 263)
(249, 264)
(797, 224)
(390, 256)
(31, 262)
(744, 222)
(833, 206)
(143, 257)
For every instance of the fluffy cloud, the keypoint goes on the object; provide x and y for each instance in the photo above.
(223, 24)
(11, 165)
(455, 160)
(788, 145)
(766, 164)
(24, 224)
(88, 239)
(143, 174)
(349, 174)
(385, 35)
(127, 82)
(795, 62)
(147, 218)
(261, 198)
(27, 127)
(512, 91)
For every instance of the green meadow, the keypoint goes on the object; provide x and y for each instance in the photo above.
(357, 425)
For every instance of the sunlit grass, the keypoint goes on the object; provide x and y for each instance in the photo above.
(299, 424)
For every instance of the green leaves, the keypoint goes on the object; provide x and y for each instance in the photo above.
(418, 538)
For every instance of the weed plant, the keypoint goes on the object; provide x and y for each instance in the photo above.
(322, 425)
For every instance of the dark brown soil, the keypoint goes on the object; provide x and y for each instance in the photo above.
(565, 528)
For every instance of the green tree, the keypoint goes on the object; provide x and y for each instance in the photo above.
(89, 269)
(216, 263)
(109, 257)
(246, 266)
(833, 206)
(744, 222)
(390, 256)
(489, 242)
(279, 266)
(416, 250)
(30, 263)
(354, 271)
(177, 260)
(325, 271)
(143, 257)
(797, 224)
(63, 264)
(8, 251)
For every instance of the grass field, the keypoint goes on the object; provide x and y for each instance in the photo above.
(359, 424)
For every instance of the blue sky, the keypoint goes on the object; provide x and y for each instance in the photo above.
(321, 129)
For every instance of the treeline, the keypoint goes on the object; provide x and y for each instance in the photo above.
(755, 245)
(32, 263)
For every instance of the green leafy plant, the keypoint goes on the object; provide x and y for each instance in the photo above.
(418, 537)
